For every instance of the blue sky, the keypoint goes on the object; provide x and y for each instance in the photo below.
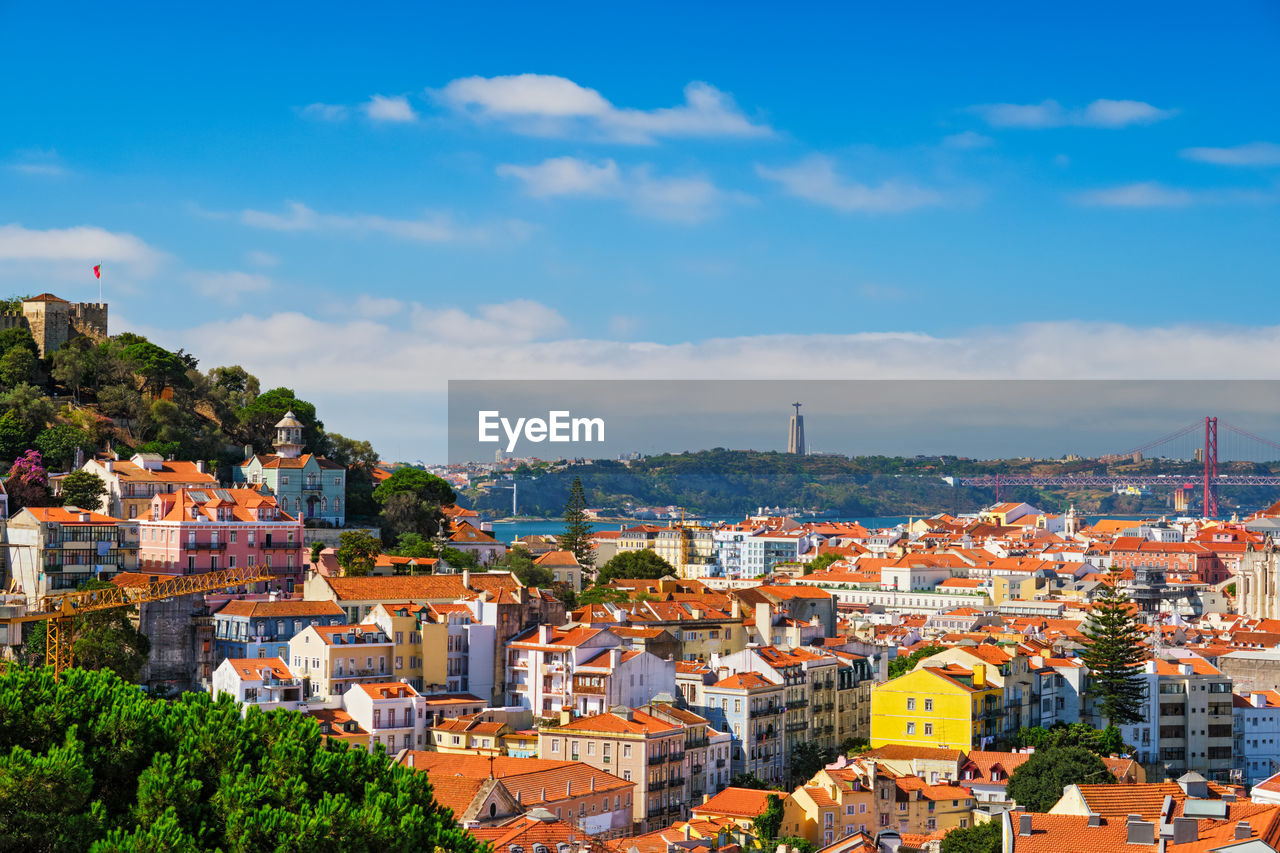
(358, 202)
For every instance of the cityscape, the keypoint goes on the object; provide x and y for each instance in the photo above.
(503, 428)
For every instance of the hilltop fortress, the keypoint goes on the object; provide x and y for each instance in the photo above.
(54, 321)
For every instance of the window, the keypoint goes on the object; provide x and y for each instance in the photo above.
(928, 704)
(911, 704)
(911, 728)
(928, 728)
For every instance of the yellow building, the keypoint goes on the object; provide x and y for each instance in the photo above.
(835, 803)
(419, 654)
(949, 708)
(470, 734)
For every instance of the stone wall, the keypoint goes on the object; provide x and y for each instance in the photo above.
(181, 634)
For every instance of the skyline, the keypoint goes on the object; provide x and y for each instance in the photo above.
(362, 211)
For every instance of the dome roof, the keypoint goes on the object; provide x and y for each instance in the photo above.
(289, 420)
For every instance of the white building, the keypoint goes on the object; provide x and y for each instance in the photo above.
(620, 677)
(1257, 734)
(264, 683)
(541, 663)
(392, 712)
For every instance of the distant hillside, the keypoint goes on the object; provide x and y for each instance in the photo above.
(732, 482)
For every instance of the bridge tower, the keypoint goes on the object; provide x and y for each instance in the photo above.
(1211, 467)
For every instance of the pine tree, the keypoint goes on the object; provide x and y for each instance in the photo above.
(1114, 653)
(577, 529)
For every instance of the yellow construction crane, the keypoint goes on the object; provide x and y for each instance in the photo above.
(61, 610)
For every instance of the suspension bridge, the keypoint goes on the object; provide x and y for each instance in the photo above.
(1200, 437)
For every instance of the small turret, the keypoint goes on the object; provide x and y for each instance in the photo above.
(288, 441)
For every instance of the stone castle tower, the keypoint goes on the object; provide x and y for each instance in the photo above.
(54, 321)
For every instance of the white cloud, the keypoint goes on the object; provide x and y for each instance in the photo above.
(39, 162)
(83, 243)
(679, 199)
(394, 109)
(228, 286)
(1145, 194)
(565, 176)
(378, 357)
(1154, 194)
(815, 179)
(1103, 113)
(261, 259)
(433, 228)
(375, 307)
(379, 366)
(546, 105)
(1249, 154)
(967, 140)
(325, 112)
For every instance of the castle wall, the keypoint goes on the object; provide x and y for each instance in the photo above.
(52, 324)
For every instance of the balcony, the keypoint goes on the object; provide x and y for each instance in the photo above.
(675, 757)
(279, 546)
(720, 763)
(206, 546)
(799, 726)
(676, 781)
(656, 759)
(657, 784)
(798, 703)
(313, 487)
(696, 769)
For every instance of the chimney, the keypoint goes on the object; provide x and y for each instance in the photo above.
(615, 657)
(202, 466)
(1257, 700)
(593, 782)
(1140, 831)
(566, 717)
(544, 794)
(409, 760)
(1185, 830)
(84, 517)
(1184, 668)
(1243, 830)
(1024, 824)
(111, 465)
(1149, 667)
(1095, 820)
(735, 609)
(466, 578)
(568, 788)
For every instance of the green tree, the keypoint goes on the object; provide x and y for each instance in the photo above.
(768, 822)
(1101, 742)
(807, 758)
(821, 562)
(799, 845)
(414, 545)
(1038, 782)
(427, 487)
(58, 445)
(74, 366)
(156, 366)
(90, 763)
(405, 512)
(257, 420)
(1114, 653)
(979, 838)
(903, 664)
(577, 528)
(357, 552)
(15, 439)
(604, 595)
(18, 366)
(18, 336)
(317, 548)
(32, 409)
(83, 489)
(458, 559)
(644, 564)
(748, 780)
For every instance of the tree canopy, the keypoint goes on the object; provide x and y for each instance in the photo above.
(577, 528)
(645, 564)
(1101, 742)
(83, 489)
(1038, 782)
(427, 487)
(357, 552)
(903, 664)
(979, 838)
(93, 764)
(1114, 653)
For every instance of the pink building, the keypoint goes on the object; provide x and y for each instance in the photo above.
(193, 531)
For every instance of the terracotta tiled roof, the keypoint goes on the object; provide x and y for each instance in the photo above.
(525, 832)
(279, 609)
(738, 802)
(65, 515)
(531, 778)
(250, 669)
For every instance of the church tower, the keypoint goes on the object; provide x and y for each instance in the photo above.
(288, 441)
